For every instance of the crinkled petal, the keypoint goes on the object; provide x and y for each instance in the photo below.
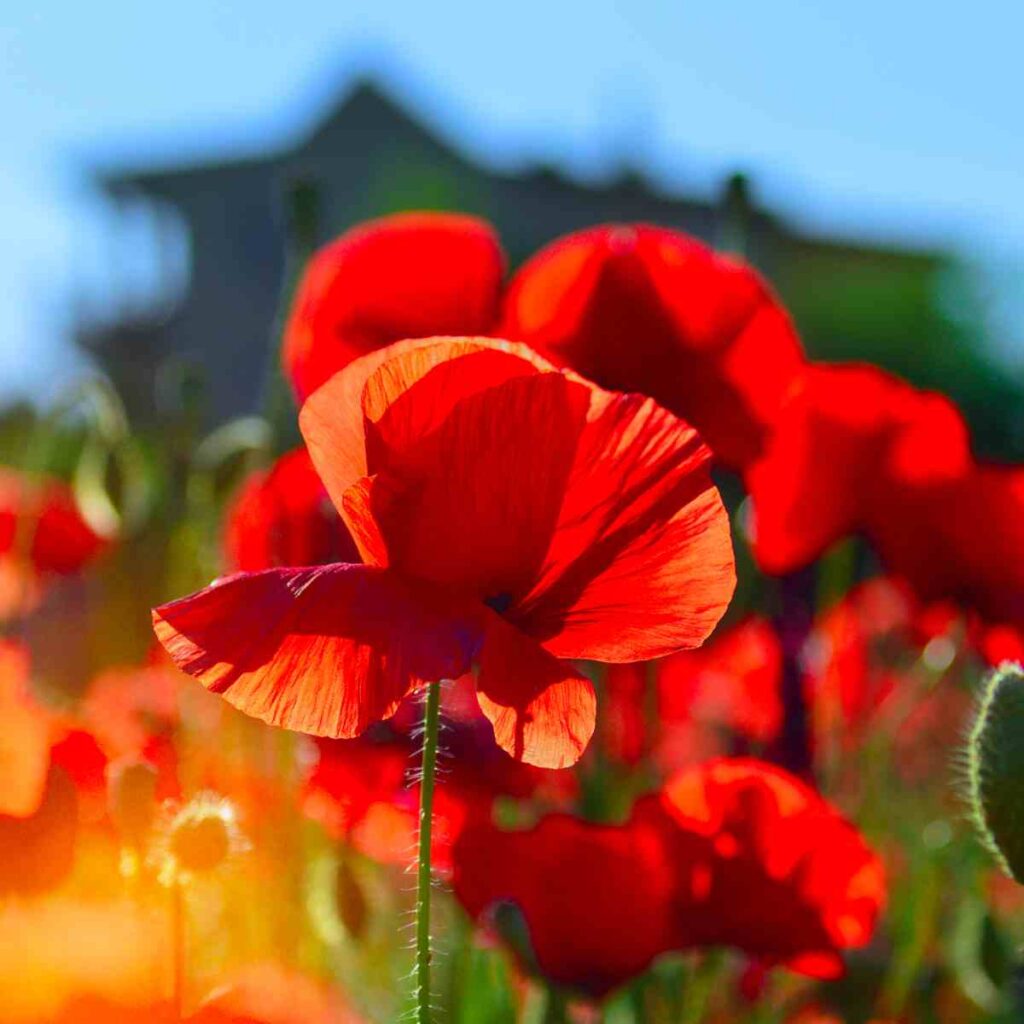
(334, 420)
(640, 563)
(543, 712)
(327, 650)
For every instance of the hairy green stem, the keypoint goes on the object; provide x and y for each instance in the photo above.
(431, 718)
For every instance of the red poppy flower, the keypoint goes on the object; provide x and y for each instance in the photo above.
(772, 868)
(732, 682)
(730, 853)
(350, 776)
(846, 678)
(411, 275)
(687, 707)
(645, 309)
(42, 534)
(509, 514)
(970, 543)
(596, 900)
(41, 514)
(282, 516)
(633, 307)
(858, 450)
(25, 735)
(854, 450)
(360, 792)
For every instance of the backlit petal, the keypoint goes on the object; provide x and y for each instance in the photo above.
(543, 712)
(325, 651)
(640, 563)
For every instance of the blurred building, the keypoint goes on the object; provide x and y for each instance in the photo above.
(249, 220)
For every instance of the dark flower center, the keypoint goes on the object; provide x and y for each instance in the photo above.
(499, 603)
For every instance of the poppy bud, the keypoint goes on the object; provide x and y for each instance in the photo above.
(995, 763)
(350, 900)
(131, 796)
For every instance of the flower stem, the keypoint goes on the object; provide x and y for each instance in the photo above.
(431, 717)
(178, 953)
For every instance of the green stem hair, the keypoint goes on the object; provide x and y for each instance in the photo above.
(995, 764)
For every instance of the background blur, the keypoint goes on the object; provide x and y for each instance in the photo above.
(163, 168)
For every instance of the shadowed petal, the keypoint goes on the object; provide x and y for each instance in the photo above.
(282, 516)
(643, 309)
(334, 419)
(472, 503)
(543, 711)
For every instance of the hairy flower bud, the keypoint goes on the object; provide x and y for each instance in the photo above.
(995, 761)
(350, 900)
(131, 796)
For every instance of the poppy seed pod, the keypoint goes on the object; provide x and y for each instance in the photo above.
(995, 760)
(199, 837)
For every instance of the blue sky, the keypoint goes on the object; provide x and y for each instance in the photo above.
(882, 120)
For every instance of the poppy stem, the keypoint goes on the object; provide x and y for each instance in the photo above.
(431, 718)
(178, 952)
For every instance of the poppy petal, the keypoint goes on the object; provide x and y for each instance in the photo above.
(543, 712)
(411, 275)
(282, 516)
(595, 900)
(357, 512)
(472, 502)
(327, 650)
(854, 450)
(640, 563)
(787, 878)
(645, 309)
(333, 420)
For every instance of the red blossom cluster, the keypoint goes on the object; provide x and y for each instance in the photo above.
(510, 486)
(509, 515)
(825, 450)
(513, 517)
(730, 853)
